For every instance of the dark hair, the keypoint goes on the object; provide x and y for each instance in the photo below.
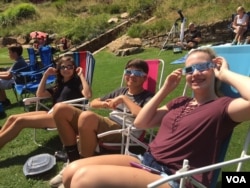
(139, 64)
(17, 48)
(211, 53)
(65, 58)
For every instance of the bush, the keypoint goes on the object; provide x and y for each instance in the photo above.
(14, 15)
(86, 29)
(137, 30)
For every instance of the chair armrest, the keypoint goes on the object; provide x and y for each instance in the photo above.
(83, 99)
(76, 103)
(188, 173)
(120, 118)
(33, 100)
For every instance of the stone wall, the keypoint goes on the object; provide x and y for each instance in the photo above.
(211, 33)
(218, 32)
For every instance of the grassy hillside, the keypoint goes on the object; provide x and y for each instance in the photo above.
(81, 20)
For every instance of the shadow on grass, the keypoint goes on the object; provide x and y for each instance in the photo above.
(49, 147)
(219, 183)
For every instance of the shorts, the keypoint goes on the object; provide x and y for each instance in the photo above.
(104, 124)
(6, 84)
(148, 160)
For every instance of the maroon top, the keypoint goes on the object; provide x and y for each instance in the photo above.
(195, 134)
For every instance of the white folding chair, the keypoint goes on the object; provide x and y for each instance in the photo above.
(86, 61)
(133, 136)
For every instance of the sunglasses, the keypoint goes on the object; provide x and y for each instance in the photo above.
(199, 67)
(68, 67)
(134, 72)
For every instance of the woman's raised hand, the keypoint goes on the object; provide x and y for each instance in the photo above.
(173, 79)
(50, 71)
(79, 71)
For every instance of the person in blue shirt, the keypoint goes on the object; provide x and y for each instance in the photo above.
(6, 77)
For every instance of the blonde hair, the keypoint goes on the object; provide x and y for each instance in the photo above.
(211, 53)
(240, 8)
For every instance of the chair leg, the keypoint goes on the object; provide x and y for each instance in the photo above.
(14, 90)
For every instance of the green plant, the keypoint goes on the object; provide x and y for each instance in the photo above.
(18, 13)
(137, 30)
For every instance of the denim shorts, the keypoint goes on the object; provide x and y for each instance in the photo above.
(148, 160)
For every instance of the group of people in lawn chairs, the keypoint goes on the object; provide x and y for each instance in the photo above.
(180, 121)
(185, 123)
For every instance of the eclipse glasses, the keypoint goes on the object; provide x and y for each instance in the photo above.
(138, 73)
(199, 67)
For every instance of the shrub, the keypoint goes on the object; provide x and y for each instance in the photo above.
(137, 30)
(14, 15)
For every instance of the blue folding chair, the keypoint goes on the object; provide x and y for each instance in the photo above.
(33, 75)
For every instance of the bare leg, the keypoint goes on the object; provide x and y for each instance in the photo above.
(15, 123)
(113, 176)
(236, 31)
(87, 127)
(106, 171)
(13, 118)
(63, 114)
(240, 34)
(2, 95)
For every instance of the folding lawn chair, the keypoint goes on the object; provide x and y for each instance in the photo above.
(86, 61)
(135, 137)
(230, 26)
(33, 76)
(238, 58)
(31, 67)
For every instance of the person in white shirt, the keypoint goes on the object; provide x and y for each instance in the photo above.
(240, 25)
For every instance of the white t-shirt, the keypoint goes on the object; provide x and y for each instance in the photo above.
(242, 20)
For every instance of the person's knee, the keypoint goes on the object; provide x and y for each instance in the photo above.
(87, 120)
(12, 118)
(69, 171)
(85, 177)
(61, 109)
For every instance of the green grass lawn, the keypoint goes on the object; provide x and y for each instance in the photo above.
(107, 76)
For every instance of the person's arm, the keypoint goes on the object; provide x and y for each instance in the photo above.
(197, 37)
(245, 24)
(123, 99)
(98, 103)
(5, 75)
(234, 24)
(104, 101)
(86, 91)
(238, 109)
(42, 91)
(151, 115)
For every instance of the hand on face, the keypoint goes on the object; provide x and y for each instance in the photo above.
(79, 71)
(50, 71)
(221, 65)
